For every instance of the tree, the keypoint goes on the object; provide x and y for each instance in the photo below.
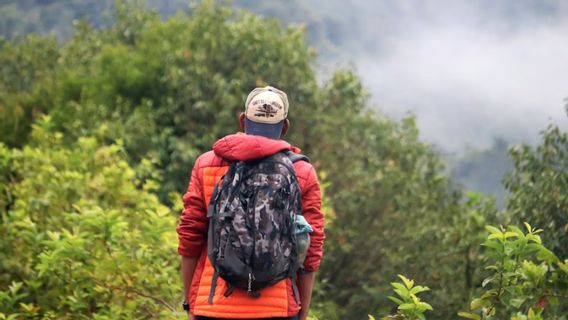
(27, 69)
(167, 89)
(395, 211)
(537, 187)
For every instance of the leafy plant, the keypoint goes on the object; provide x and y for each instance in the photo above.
(82, 236)
(526, 280)
(409, 304)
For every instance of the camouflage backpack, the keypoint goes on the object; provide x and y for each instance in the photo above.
(251, 238)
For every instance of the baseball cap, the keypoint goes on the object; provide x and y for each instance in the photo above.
(266, 109)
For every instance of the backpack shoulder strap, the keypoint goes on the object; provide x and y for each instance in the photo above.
(295, 157)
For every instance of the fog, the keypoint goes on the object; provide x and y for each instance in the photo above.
(469, 70)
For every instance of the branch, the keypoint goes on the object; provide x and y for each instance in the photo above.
(138, 292)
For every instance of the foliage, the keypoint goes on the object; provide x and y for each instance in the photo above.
(166, 89)
(537, 187)
(132, 105)
(169, 89)
(526, 280)
(409, 305)
(82, 236)
(26, 72)
(397, 211)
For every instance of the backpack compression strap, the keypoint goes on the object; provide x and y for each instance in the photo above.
(295, 157)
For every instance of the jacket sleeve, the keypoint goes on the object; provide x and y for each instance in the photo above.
(311, 209)
(192, 228)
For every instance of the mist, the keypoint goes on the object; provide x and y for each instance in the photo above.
(469, 70)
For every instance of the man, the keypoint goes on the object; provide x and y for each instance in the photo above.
(264, 122)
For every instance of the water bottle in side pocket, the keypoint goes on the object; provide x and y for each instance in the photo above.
(303, 230)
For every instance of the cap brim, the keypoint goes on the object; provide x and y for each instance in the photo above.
(268, 130)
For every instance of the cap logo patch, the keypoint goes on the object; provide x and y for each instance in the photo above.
(265, 111)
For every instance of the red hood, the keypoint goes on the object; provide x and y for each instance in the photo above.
(249, 147)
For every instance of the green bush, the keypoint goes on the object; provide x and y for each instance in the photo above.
(409, 304)
(82, 235)
(525, 281)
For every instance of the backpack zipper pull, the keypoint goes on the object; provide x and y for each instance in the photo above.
(250, 292)
(250, 283)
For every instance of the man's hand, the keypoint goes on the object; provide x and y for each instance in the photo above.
(191, 317)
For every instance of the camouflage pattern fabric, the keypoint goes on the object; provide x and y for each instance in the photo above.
(251, 239)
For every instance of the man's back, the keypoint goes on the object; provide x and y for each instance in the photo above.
(275, 301)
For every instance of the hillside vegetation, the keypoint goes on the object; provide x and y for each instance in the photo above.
(100, 131)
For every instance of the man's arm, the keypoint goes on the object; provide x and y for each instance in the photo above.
(188, 265)
(305, 286)
(187, 269)
(311, 209)
(192, 229)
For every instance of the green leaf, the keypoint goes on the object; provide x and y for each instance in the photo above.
(495, 236)
(468, 315)
(517, 302)
(534, 238)
(547, 255)
(493, 245)
(395, 300)
(516, 230)
(403, 293)
(493, 230)
(476, 304)
(409, 283)
(510, 234)
(489, 294)
(399, 286)
(486, 281)
(418, 289)
(424, 306)
(406, 306)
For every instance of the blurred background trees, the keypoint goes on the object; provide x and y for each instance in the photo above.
(91, 192)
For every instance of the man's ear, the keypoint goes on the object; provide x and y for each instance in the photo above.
(242, 121)
(285, 127)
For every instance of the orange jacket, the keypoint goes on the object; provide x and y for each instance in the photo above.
(275, 301)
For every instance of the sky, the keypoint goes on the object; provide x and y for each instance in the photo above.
(470, 71)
